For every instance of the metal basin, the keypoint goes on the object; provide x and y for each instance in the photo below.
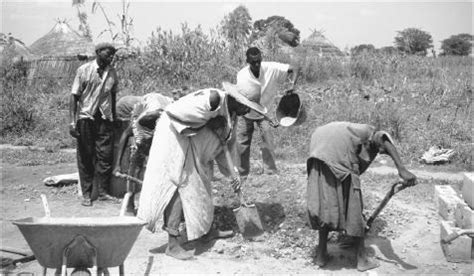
(112, 237)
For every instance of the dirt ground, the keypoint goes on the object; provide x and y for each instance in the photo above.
(404, 240)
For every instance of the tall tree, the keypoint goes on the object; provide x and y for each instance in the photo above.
(457, 45)
(414, 41)
(236, 26)
(278, 25)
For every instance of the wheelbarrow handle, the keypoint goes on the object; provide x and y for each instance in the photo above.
(47, 211)
(395, 188)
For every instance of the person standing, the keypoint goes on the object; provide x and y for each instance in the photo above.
(191, 132)
(339, 153)
(92, 115)
(263, 78)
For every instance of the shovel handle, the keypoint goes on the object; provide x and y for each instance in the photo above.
(396, 187)
(128, 177)
(272, 123)
(230, 164)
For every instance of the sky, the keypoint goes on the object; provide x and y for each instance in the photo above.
(345, 23)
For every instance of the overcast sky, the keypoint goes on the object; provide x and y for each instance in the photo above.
(345, 23)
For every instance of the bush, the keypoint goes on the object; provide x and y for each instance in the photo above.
(421, 101)
(17, 112)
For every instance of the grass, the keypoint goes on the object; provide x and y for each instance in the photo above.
(28, 157)
(420, 101)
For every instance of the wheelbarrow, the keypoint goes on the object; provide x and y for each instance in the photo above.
(80, 242)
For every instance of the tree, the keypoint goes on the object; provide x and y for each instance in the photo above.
(368, 48)
(388, 50)
(236, 27)
(278, 25)
(413, 41)
(457, 45)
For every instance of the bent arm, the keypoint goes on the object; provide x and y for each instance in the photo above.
(294, 72)
(388, 148)
(121, 147)
(149, 119)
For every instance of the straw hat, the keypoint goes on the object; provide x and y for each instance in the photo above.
(249, 99)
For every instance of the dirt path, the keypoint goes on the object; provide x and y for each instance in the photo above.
(408, 244)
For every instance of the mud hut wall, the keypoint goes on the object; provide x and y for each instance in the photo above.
(53, 68)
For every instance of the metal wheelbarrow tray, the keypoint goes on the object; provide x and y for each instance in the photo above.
(70, 242)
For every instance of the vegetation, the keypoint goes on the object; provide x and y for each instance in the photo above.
(421, 101)
(282, 26)
(457, 45)
(414, 41)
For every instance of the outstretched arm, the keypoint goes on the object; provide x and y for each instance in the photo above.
(388, 148)
(121, 148)
(294, 71)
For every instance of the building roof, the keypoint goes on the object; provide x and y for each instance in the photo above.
(62, 41)
(320, 44)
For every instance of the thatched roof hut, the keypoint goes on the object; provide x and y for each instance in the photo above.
(62, 41)
(320, 45)
(61, 51)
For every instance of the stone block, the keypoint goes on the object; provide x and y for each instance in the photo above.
(468, 188)
(446, 200)
(464, 216)
(458, 250)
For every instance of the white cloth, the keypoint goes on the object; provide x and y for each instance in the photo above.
(179, 160)
(62, 179)
(150, 103)
(272, 74)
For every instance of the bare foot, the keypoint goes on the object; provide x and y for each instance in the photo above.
(365, 263)
(218, 234)
(179, 253)
(322, 259)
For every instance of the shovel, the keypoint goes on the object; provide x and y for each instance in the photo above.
(396, 187)
(127, 195)
(246, 215)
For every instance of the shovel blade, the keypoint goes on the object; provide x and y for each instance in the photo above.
(248, 221)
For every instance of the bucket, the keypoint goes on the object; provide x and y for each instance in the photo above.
(290, 111)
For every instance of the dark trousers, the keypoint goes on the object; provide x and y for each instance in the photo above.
(245, 129)
(94, 155)
(173, 215)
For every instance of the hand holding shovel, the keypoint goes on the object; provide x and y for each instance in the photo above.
(246, 215)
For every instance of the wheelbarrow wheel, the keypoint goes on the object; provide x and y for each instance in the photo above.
(81, 272)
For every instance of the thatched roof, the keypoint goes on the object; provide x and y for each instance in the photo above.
(14, 47)
(62, 41)
(318, 43)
